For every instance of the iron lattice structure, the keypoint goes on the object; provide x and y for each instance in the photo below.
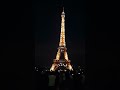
(61, 59)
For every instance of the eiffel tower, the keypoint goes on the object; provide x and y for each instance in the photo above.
(61, 60)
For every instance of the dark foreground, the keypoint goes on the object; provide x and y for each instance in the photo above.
(59, 80)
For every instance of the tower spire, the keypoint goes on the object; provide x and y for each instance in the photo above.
(63, 9)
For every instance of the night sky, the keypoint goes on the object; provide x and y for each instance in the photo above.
(29, 36)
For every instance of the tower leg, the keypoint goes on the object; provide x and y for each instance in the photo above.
(52, 68)
(70, 67)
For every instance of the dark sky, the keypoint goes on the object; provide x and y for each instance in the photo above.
(47, 25)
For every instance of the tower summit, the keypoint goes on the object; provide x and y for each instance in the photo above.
(61, 60)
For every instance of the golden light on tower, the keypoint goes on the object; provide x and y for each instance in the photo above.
(61, 49)
(62, 35)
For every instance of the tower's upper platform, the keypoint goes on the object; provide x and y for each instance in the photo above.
(63, 13)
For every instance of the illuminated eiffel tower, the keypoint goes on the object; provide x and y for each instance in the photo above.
(61, 60)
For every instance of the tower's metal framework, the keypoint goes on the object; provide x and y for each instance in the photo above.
(62, 50)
